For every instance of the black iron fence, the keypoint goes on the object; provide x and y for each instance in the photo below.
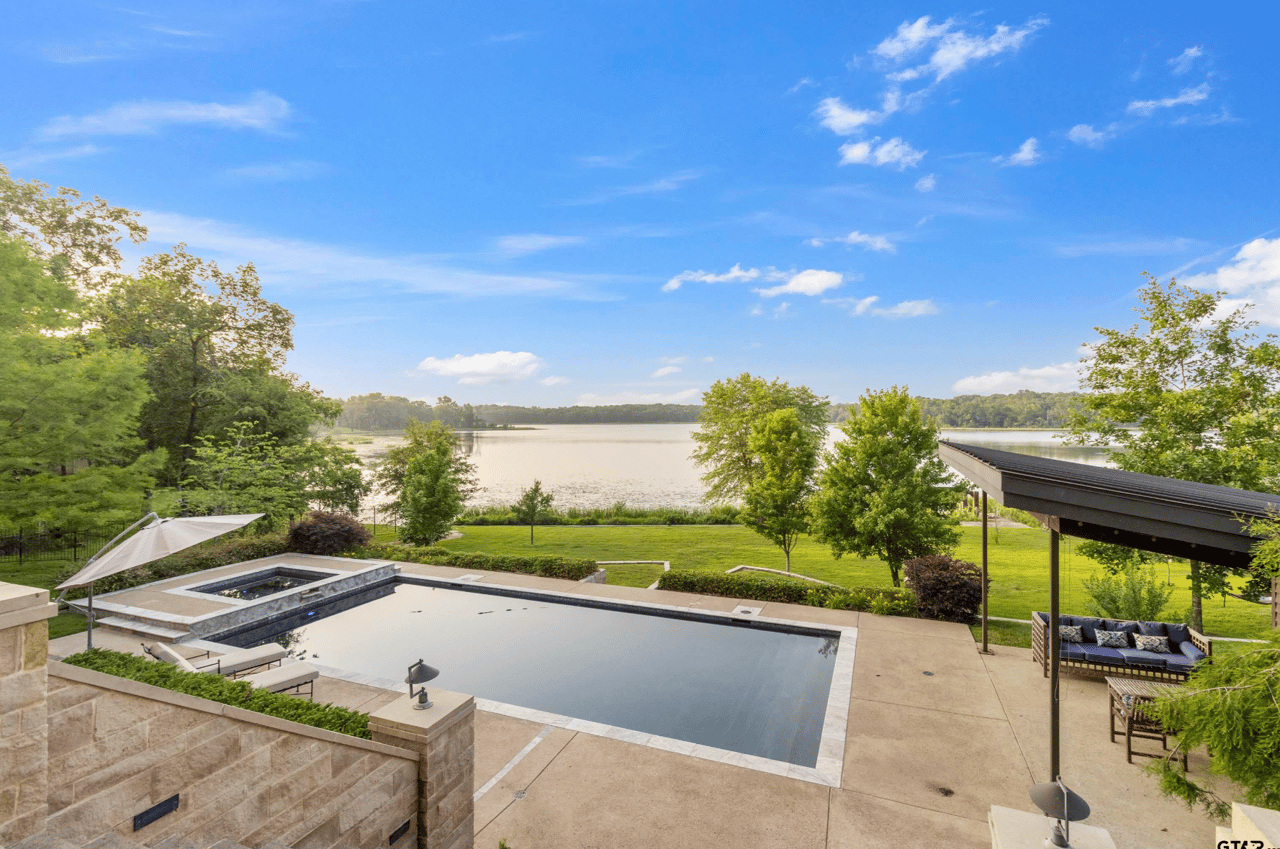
(56, 544)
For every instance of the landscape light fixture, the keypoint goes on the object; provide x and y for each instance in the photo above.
(420, 673)
(1063, 805)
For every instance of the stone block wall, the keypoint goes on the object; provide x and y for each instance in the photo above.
(24, 648)
(117, 747)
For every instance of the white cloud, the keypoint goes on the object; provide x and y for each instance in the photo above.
(1063, 377)
(804, 82)
(1253, 274)
(841, 120)
(926, 184)
(484, 368)
(262, 111)
(870, 242)
(782, 310)
(1207, 119)
(1026, 155)
(1182, 63)
(809, 282)
(894, 152)
(1086, 135)
(298, 264)
(867, 306)
(684, 396)
(523, 244)
(662, 185)
(280, 172)
(666, 370)
(1185, 97)
(910, 37)
(620, 160)
(672, 361)
(25, 158)
(553, 380)
(953, 49)
(737, 274)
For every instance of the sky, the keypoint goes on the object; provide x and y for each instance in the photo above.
(623, 202)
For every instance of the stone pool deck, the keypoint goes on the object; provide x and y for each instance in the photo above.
(926, 756)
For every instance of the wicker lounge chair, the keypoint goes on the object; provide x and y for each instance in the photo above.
(286, 676)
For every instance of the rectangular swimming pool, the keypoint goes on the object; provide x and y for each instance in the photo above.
(736, 685)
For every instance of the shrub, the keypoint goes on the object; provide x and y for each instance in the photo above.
(946, 588)
(885, 600)
(224, 691)
(221, 553)
(545, 565)
(328, 533)
(1134, 593)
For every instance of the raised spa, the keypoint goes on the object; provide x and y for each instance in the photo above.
(744, 686)
(263, 583)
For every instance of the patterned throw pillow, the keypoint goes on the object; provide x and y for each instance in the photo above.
(1071, 633)
(1151, 643)
(1113, 639)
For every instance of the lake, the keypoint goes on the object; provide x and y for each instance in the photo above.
(642, 464)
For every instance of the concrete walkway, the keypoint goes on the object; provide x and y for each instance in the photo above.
(937, 733)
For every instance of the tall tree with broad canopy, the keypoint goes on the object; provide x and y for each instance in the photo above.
(431, 497)
(883, 491)
(1191, 393)
(69, 406)
(392, 474)
(776, 503)
(730, 410)
(532, 504)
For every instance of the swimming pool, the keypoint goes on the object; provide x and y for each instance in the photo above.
(739, 685)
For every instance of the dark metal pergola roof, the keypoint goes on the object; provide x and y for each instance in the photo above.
(1168, 516)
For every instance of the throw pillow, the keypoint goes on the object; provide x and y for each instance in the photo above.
(1113, 639)
(1122, 626)
(1152, 629)
(1177, 633)
(1090, 626)
(1071, 633)
(1192, 651)
(1147, 642)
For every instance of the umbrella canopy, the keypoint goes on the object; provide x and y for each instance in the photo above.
(160, 538)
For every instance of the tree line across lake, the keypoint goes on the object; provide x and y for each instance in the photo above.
(378, 412)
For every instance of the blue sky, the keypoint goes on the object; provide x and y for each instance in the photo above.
(623, 202)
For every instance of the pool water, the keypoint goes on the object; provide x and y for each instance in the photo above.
(259, 584)
(732, 686)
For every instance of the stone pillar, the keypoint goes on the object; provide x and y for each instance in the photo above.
(444, 736)
(24, 731)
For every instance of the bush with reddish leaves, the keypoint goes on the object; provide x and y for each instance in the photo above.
(947, 588)
(328, 533)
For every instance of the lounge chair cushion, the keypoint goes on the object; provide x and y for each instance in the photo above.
(1152, 629)
(1192, 651)
(1101, 654)
(168, 655)
(1179, 663)
(1139, 657)
(238, 661)
(1177, 633)
(1072, 651)
(283, 677)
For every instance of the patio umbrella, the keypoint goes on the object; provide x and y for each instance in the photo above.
(153, 541)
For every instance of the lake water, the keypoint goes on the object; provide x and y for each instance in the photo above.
(642, 464)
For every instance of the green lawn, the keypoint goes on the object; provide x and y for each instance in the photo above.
(42, 574)
(1019, 564)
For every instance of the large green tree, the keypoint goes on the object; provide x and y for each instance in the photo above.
(431, 497)
(69, 407)
(731, 409)
(776, 504)
(391, 476)
(883, 491)
(1188, 392)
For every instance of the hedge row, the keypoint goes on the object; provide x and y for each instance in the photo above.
(222, 553)
(616, 515)
(545, 565)
(224, 691)
(886, 601)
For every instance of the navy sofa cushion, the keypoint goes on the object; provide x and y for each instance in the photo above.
(1072, 651)
(1138, 657)
(1119, 625)
(1178, 633)
(1152, 629)
(1178, 663)
(1192, 651)
(1102, 654)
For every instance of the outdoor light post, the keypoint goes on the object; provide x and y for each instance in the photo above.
(420, 673)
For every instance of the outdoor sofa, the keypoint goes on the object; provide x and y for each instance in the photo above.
(1185, 648)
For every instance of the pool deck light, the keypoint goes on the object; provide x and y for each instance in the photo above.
(420, 673)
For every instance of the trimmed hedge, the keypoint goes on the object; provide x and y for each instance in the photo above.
(222, 553)
(948, 589)
(886, 601)
(618, 514)
(545, 565)
(224, 691)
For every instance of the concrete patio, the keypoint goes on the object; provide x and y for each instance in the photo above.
(926, 755)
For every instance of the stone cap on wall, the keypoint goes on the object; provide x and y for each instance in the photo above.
(401, 720)
(21, 605)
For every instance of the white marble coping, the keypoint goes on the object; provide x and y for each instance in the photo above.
(830, 763)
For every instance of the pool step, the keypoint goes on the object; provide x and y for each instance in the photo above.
(142, 629)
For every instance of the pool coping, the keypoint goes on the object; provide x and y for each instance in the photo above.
(829, 767)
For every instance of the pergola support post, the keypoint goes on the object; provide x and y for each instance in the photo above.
(985, 649)
(1055, 645)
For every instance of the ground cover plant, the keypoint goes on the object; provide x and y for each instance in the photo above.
(224, 691)
(544, 565)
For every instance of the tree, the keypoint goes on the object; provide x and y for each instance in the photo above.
(884, 492)
(69, 407)
(731, 408)
(432, 498)
(776, 503)
(392, 474)
(533, 503)
(1190, 393)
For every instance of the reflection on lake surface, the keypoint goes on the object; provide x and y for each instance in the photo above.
(644, 464)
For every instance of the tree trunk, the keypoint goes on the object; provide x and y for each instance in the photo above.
(531, 533)
(893, 570)
(787, 552)
(1197, 609)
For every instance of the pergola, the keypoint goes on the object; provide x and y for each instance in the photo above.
(1165, 515)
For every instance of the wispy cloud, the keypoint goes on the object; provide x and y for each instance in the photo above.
(926, 183)
(684, 396)
(177, 33)
(1062, 377)
(479, 369)
(867, 240)
(27, 157)
(663, 185)
(737, 274)
(1086, 136)
(280, 172)
(953, 48)
(809, 282)
(554, 380)
(617, 160)
(1182, 63)
(833, 114)
(262, 111)
(867, 306)
(1183, 98)
(672, 361)
(1203, 119)
(1136, 247)
(1026, 155)
(804, 82)
(1252, 275)
(524, 244)
(666, 371)
(895, 153)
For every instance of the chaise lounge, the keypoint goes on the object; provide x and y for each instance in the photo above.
(230, 664)
(1157, 651)
(286, 676)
